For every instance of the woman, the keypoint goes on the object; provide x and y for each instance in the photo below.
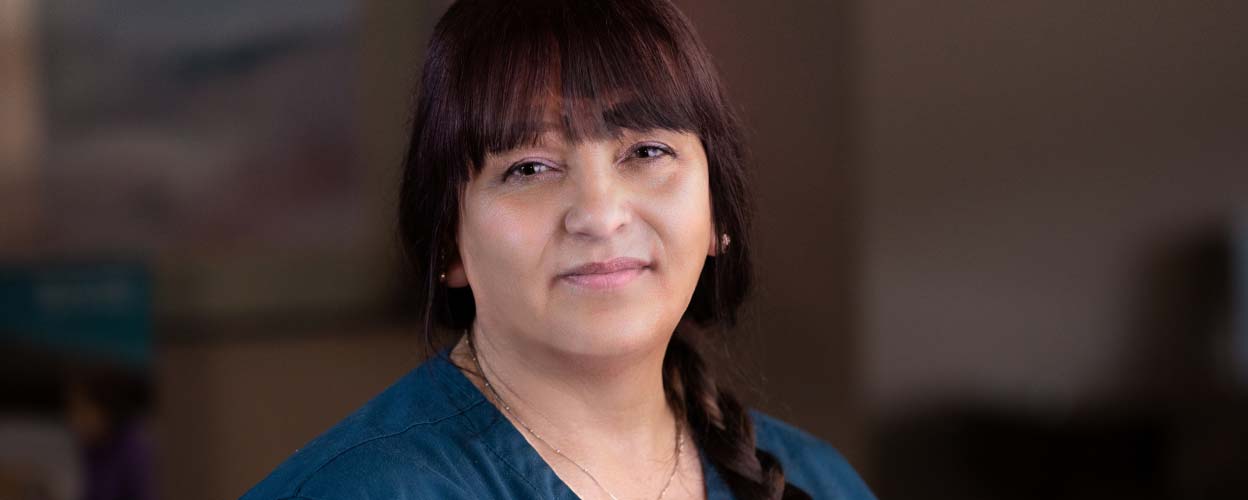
(574, 208)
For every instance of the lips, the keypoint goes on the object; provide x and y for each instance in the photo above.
(607, 267)
(606, 275)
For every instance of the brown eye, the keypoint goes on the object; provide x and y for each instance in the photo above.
(525, 169)
(650, 151)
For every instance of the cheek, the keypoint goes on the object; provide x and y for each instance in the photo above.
(683, 211)
(502, 243)
(679, 213)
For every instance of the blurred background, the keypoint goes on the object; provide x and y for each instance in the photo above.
(1002, 249)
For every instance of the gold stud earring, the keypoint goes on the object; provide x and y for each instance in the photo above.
(724, 240)
(442, 278)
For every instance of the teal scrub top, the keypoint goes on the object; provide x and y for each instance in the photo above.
(433, 435)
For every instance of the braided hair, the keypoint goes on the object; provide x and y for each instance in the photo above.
(489, 66)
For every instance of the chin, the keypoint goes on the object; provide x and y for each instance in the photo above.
(606, 336)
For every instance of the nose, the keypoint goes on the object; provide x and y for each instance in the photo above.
(600, 202)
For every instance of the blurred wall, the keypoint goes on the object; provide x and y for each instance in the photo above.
(231, 410)
(1025, 166)
(236, 398)
(20, 123)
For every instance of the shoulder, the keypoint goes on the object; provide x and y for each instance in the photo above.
(809, 462)
(400, 437)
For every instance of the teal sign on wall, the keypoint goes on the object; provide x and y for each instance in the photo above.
(94, 310)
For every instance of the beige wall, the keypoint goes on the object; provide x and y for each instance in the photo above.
(1025, 165)
(231, 410)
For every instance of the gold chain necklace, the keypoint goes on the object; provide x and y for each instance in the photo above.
(680, 438)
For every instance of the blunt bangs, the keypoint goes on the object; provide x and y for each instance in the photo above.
(558, 66)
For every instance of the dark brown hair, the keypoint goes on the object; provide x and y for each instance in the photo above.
(492, 69)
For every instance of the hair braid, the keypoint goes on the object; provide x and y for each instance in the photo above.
(722, 427)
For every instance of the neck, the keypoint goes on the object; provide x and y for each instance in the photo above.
(602, 409)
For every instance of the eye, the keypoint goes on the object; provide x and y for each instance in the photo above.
(651, 151)
(525, 169)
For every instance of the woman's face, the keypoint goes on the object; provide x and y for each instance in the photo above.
(587, 248)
